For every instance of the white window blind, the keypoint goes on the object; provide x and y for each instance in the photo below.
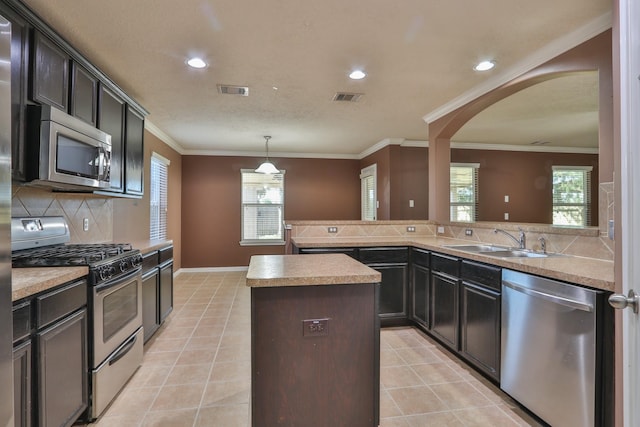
(572, 195)
(158, 197)
(463, 191)
(368, 177)
(262, 208)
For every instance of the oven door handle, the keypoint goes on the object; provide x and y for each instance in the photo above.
(118, 282)
(126, 348)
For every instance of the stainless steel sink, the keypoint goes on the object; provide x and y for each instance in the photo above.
(517, 253)
(500, 251)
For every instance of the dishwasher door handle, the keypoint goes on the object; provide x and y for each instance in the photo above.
(567, 302)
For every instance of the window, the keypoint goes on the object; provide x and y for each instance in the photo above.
(572, 195)
(262, 208)
(463, 191)
(368, 178)
(158, 197)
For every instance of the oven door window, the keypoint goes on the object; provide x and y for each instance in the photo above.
(77, 158)
(119, 308)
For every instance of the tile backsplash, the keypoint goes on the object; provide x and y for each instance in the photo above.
(31, 201)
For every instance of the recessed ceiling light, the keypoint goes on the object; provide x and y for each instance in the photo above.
(357, 75)
(196, 63)
(484, 65)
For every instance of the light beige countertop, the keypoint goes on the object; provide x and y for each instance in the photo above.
(146, 246)
(590, 272)
(295, 270)
(30, 281)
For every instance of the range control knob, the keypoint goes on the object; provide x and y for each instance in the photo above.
(123, 265)
(136, 261)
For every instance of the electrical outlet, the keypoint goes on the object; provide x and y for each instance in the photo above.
(440, 229)
(85, 224)
(468, 232)
(332, 229)
(315, 327)
(411, 229)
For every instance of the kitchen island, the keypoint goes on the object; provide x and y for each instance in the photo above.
(315, 341)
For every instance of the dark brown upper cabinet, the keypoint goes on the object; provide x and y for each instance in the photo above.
(111, 120)
(19, 83)
(134, 149)
(84, 94)
(50, 77)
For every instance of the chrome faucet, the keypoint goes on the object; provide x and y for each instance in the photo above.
(543, 244)
(522, 241)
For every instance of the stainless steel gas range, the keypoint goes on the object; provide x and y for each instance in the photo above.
(114, 299)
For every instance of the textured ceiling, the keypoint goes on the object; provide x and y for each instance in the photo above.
(294, 55)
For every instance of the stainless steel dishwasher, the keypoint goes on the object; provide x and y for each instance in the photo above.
(550, 354)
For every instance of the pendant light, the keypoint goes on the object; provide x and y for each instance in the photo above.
(267, 167)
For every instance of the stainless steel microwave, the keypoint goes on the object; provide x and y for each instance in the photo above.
(64, 152)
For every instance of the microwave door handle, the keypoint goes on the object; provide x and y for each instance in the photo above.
(103, 170)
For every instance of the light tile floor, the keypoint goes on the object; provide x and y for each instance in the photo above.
(196, 370)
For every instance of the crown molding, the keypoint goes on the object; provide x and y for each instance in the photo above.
(526, 148)
(162, 136)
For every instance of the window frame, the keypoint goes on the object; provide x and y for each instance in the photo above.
(158, 186)
(586, 204)
(369, 175)
(281, 231)
(472, 205)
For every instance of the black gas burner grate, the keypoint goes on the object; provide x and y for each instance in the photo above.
(68, 255)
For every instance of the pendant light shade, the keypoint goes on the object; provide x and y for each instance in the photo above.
(267, 167)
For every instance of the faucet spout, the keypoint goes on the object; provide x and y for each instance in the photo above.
(521, 240)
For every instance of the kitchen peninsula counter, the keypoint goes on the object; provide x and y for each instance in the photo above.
(315, 341)
(591, 272)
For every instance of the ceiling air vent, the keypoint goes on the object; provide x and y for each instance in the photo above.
(347, 97)
(233, 90)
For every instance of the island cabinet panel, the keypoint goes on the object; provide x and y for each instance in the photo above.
(315, 376)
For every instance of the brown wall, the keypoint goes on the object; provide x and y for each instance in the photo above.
(526, 178)
(131, 216)
(402, 175)
(318, 189)
(409, 181)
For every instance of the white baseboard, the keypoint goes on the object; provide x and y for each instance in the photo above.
(210, 270)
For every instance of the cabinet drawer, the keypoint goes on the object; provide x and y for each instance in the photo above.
(21, 321)
(420, 257)
(58, 303)
(149, 261)
(384, 255)
(487, 275)
(166, 254)
(445, 264)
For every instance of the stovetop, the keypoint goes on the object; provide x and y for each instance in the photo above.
(70, 255)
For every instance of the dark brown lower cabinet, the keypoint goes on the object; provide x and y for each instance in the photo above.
(22, 384)
(166, 289)
(420, 278)
(480, 328)
(444, 308)
(327, 378)
(62, 371)
(150, 314)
